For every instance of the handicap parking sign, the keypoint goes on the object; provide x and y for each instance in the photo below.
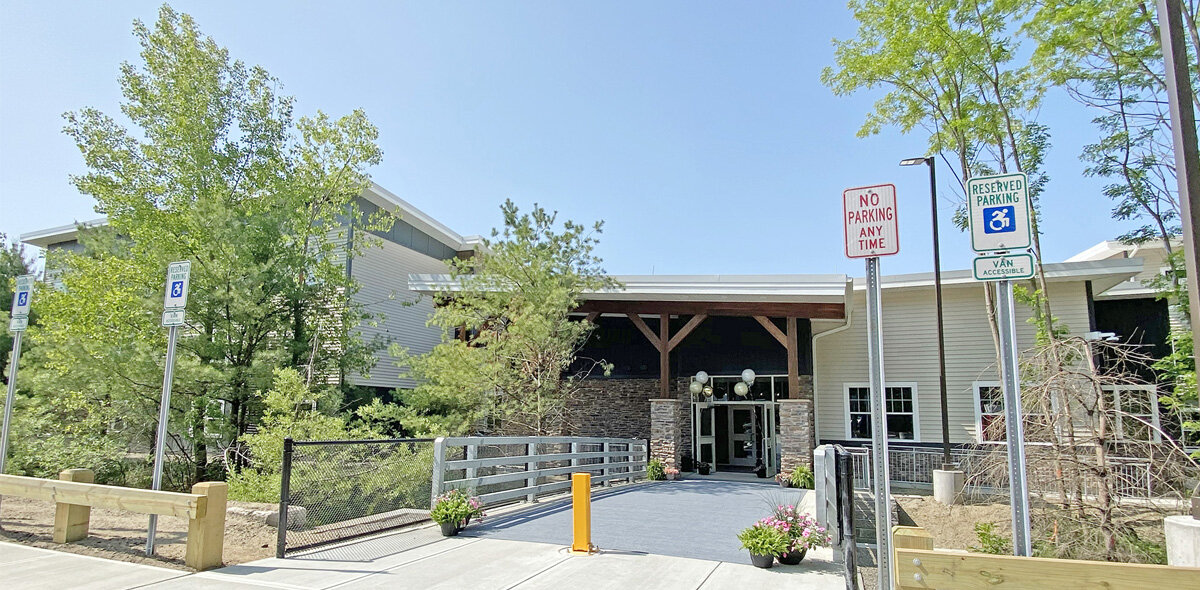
(23, 298)
(999, 220)
(177, 289)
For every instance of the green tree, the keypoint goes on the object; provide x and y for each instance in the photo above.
(214, 169)
(510, 348)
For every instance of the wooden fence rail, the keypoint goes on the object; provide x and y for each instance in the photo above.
(75, 495)
(919, 566)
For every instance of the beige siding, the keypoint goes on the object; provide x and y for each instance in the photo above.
(383, 271)
(910, 353)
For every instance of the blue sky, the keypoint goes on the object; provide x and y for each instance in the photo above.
(700, 132)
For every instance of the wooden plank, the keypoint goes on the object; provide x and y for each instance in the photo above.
(102, 496)
(979, 571)
(685, 330)
(828, 311)
(644, 329)
(664, 356)
(591, 317)
(206, 533)
(71, 520)
(908, 537)
(773, 329)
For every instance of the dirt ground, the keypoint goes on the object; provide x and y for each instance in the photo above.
(953, 527)
(122, 535)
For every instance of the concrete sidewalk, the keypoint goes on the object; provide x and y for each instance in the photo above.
(421, 559)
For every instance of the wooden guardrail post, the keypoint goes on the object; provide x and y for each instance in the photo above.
(908, 537)
(206, 531)
(71, 520)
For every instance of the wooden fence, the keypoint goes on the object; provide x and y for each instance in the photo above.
(75, 495)
(918, 566)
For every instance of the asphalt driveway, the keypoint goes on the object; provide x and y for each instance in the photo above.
(689, 518)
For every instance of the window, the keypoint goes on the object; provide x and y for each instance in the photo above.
(1137, 412)
(989, 402)
(901, 411)
(989, 416)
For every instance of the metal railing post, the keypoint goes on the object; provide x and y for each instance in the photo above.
(531, 467)
(472, 454)
(607, 460)
(285, 496)
(439, 464)
(574, 451)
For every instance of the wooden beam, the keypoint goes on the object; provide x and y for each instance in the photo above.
(685, 330)
(773, 329)
(206, 534)
(664, 356)
(102, 496)
(645, 330)
(591, 317)
(793, 358)
(71, 520)
(828, 311)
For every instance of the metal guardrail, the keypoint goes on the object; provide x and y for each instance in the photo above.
(914, 466)
(501, 469)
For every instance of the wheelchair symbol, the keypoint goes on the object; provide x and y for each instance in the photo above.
(999, 220)
(22, 299)
(177, 289)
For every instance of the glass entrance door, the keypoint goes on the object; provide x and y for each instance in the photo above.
(706, 434)
(743, 437)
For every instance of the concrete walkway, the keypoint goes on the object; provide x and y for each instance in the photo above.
(460, 563)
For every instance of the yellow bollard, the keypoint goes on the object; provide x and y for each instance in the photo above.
(581, 500)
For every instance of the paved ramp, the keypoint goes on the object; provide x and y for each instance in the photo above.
(692, 518)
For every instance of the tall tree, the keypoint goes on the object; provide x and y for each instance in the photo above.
(510, 348)
(215, 169)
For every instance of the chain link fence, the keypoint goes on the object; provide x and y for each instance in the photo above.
(332, 491)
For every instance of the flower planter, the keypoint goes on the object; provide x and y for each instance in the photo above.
(703, 469)
(792, 557)
(763, 561)
(449, 529)
(783, 483)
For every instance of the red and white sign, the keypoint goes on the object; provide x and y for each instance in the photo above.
(869, 216)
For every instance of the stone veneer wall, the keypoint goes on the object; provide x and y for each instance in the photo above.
(796, 434)
(665, 439)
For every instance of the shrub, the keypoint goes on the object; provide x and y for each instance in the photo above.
(655, 470)
(990, 541)
(764, 538)
(802, 477)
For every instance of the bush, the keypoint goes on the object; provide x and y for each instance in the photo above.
(802, 477)
(989, 541)
(764, 538)
(655, 470)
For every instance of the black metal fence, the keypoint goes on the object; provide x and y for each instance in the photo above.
(336, 490)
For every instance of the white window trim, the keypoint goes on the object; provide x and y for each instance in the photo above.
(975, 387)
(1119, 426)
(916, 413)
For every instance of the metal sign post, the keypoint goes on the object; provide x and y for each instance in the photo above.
(174, 302)
(20, 319)
(998, 210)
(872, 230)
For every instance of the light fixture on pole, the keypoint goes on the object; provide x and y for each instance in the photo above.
(947, 464)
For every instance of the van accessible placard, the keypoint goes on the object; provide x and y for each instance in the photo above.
(869, 217)
(998, 210)
(1004, 267)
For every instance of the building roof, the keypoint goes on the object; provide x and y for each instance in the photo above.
(1104, 275)
(376, 194)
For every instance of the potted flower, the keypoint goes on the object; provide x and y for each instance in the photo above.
(703, 468)
(802, 530)
(454, 509)
(671, 473)
(764, 541)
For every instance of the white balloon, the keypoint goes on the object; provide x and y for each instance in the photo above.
(696, 387)
(748, 376)
(741, 388)
(702, 377)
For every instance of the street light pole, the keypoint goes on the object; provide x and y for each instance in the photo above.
(947, 463)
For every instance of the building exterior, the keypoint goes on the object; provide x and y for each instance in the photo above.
(802, 337)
